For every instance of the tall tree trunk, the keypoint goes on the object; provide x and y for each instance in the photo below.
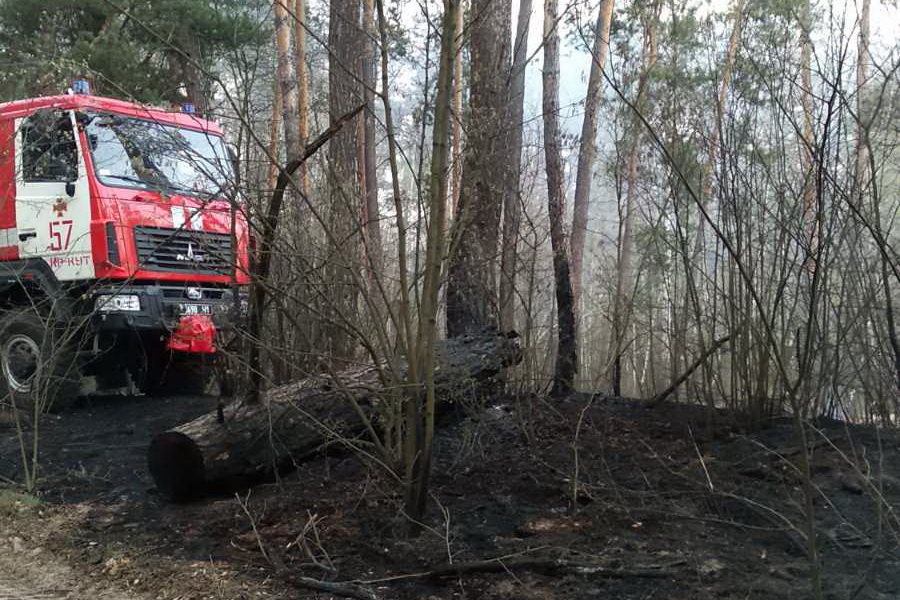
(367, 162)
(472, 284)
(862, 75)
(192, 77)
(512, 210)
(344, 93)
(622, 303)
(566, 350)
(285, 103)
(807, 161)
(457, 116)
(284, 113)
(285, 76)
(302, 84)
(274, 137)
(588, 151)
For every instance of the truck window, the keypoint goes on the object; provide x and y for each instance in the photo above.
(49, 152)
(130, 152)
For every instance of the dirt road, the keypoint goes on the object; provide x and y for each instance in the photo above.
(34, 575)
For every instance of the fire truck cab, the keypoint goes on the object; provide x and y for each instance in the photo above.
(121, 248)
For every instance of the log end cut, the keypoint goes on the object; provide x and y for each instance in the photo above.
(176, 465)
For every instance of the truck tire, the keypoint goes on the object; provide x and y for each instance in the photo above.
(38, 369)
(165, 373)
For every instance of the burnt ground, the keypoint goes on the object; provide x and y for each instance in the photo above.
(585, 498)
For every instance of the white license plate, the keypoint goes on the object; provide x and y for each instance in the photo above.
(195, 309)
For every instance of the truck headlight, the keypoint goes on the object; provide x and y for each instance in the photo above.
(117, 302)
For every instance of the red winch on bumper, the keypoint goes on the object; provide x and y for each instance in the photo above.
(195, 333)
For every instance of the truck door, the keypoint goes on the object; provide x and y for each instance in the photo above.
(53, 213)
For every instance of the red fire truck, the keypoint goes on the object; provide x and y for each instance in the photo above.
(120, 252)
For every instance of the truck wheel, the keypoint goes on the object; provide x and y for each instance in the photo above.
(36, 369)
(164, 373)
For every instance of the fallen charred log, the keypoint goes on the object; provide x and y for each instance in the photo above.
(248, 442)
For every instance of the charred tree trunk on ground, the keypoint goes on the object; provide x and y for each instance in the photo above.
(566, 349)
(472, 279)
(298, 420)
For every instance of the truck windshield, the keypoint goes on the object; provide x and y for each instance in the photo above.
(136, 153)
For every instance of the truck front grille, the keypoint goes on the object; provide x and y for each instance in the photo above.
(183, 251)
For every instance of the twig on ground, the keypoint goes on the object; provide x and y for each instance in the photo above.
(547, 565)
(702, 462)
(344, 590)
(575, 463)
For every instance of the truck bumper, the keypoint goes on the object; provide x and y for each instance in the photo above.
(165, 308)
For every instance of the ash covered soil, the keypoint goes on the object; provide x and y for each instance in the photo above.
(531, 499)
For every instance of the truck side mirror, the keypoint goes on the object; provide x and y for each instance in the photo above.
(70, 189)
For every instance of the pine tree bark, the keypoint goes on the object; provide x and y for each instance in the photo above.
(372, 221)
(343, 173)
(456, 129)
(285, 77)
(862, 76)
(808, 158)
(566, 350)
(588, 151)
(302, 85)
(192, 77)
(274, 138)
(512, 209)
(472, 302)
(285, 103)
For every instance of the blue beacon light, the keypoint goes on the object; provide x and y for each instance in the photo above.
(81, 86)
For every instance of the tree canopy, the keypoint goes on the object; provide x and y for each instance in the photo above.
(152, 51)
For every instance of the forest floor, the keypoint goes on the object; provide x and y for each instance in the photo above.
(531, 499)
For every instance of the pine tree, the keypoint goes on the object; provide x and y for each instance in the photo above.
(149, 50)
